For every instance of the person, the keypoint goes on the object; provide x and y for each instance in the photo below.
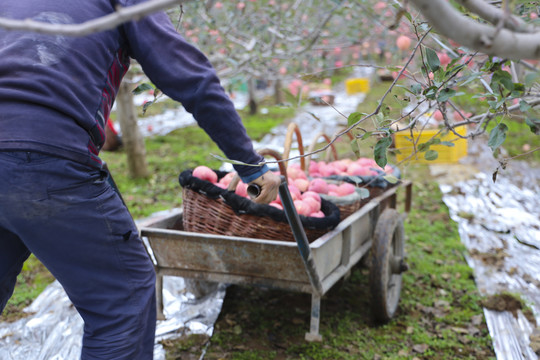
(113, 141)
(56, 93)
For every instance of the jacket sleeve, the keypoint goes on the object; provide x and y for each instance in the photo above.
(185, 74)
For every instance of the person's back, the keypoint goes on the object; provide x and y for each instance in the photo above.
(56, 91)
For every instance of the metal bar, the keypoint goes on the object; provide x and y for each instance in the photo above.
(159, 295)
(230, 278)
(313, 334)
(300, 236)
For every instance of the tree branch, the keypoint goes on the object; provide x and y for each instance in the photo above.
(494, 15)
(485, 38)
(107, 22)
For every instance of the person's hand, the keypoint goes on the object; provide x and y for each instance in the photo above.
(268, 184)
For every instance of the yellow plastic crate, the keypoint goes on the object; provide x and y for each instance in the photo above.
(447, 154)
(357, 85)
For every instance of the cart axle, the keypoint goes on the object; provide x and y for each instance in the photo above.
(398, 265)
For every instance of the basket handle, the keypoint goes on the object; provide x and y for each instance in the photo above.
(264, 152)
(294, 129)
(314, 143)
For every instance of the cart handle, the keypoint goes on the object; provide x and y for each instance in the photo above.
(300, 236)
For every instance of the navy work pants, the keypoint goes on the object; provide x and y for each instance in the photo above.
(70, 218)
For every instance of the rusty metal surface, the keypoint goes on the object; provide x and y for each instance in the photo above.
(226, 255)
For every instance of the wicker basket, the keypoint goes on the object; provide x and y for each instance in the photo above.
(374, 185)
(347, 204)
(214, 216)
(211, 210)
(350, 203)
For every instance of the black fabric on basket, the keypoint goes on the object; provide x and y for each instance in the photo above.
(241, 205)
(371, 180)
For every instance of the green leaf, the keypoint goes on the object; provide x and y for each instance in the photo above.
(314, 116)
(431, 155)
(445, 94)
(366, 135)
(497, 136)
(385, 109)
(364, 193)
(425, 146)
(433, 60)
(519, 87)
(431, 92)
(503, 78)
(524, 106)
(355, 147)
(354, 118)
(495, 105)
(142, 88)
(146, 106)
(416, 89)
(531, 78)
(447, 143)
(391, 179)
(408, 16)
(380, 151)
(455, 69)
(534, 124)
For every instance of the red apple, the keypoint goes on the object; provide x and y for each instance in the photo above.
(205, 173)
(444, 59)
(346, 189)
(295, 192)
(388, 169)
(403, 42)
(313, 203)
(295, 172)
(301, 184)
(276, 205)
(226, 180)
(358, 170)
(437, 115)
(241, 189)
(318, 214)
(319, 186)
(312, 194)
(302, 208)
(332, 187)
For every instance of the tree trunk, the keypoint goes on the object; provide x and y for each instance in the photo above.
(131, 136)
(251, 96)
(278, 94)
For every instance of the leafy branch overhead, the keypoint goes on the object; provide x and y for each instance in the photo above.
(439, 53)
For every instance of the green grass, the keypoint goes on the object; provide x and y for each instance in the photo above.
(33, 279)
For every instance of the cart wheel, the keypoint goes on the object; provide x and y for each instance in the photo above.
(387, 265)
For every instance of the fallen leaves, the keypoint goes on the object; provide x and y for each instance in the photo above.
(535, 340)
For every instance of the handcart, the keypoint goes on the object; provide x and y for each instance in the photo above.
(311, 268)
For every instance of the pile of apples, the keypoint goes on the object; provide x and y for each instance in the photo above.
(347, 167)
(305, 192)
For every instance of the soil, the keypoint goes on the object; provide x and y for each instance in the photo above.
(273, 322)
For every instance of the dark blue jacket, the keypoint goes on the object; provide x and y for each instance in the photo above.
(56, 92)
